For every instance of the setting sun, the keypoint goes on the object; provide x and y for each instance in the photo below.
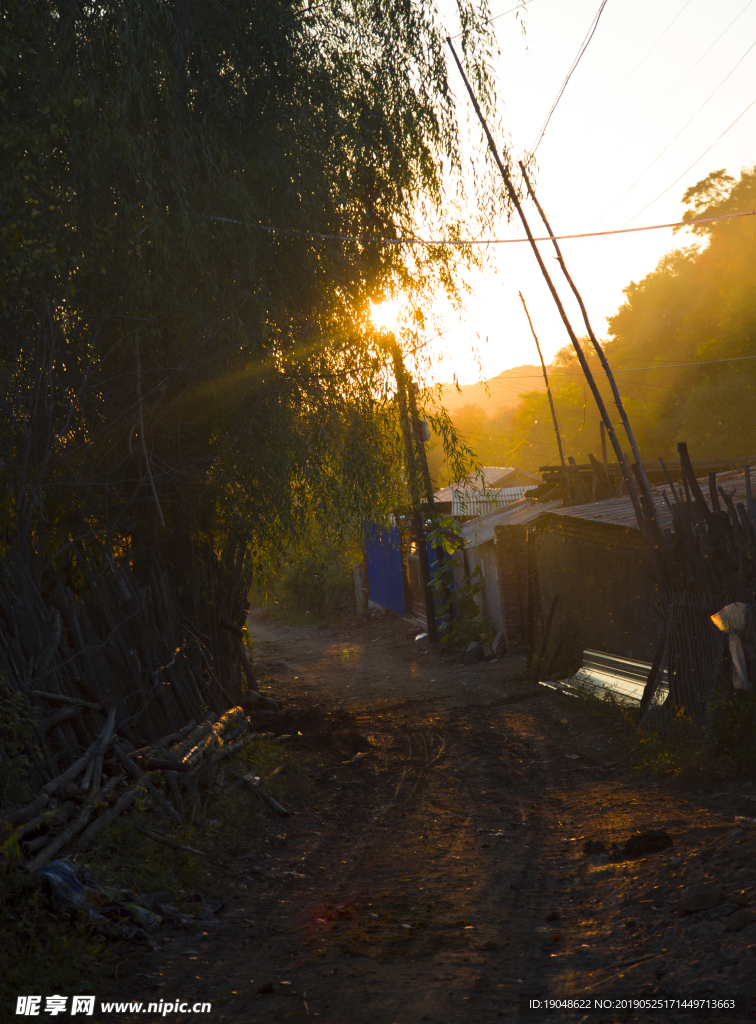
(386, 314)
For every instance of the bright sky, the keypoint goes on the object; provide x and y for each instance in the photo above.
(649, 97)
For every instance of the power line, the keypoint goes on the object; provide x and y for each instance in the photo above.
(510, 11)
(673, 89)
(637, 369)
(671, 141)
(640, 62)
(668, 366)
(697, 160)
(367, 239)
(583, 47)
(496, 17)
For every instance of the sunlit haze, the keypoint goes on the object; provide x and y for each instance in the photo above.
(386, 314)
(639, 122)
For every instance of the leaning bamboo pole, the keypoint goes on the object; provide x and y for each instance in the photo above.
(515, 200)
(568, 487)
(639, 470)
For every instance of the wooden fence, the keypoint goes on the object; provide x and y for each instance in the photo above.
(159, 659)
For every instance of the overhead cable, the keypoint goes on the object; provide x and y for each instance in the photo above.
(367, 239)
(496, 17)
(674, 88)
(640, 62)
(637, 369)
(696, 161)
(671, 141)
(583, 47)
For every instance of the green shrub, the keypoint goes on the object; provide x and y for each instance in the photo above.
(318, 579)
(459, 617)
(732, 735)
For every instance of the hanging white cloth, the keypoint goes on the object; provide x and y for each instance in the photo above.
(732, 620)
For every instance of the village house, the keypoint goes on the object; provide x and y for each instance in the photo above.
(499, 486)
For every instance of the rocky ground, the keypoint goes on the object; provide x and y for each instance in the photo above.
(442, 876)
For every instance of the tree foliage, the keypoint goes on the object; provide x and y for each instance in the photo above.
(695, 314)
(186, 352)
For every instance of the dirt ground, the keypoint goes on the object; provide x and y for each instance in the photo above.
(441, 877)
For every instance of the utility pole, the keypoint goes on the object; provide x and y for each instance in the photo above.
(647, 532)
(423, 460)
(568, 486)
(408, 433)
(417, 430)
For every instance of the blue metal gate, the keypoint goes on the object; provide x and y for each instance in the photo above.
(384, 567)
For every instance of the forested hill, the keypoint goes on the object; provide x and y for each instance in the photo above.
(683, 347)
(497, 394)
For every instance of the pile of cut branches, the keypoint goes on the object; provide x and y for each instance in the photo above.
(73, 809)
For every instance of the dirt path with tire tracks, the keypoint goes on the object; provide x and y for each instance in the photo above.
(441, 877)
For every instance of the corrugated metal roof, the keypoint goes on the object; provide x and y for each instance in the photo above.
(493, 477)
(480, 503)
(480, 530)
(500, 479)
(619, 511)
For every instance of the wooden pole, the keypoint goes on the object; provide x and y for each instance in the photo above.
(420, 443)
(641, 473)
(412, 480)
(604, 459)
(551, 404)
(514, 198)
(422, 458)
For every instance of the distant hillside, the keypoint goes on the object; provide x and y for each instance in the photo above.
(503, 390)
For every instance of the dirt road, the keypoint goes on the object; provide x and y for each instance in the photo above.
(441, 877)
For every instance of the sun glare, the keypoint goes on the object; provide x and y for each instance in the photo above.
(386, 314)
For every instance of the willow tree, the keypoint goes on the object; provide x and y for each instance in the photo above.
(193, 202)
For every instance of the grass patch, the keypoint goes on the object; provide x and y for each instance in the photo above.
(726, 754)
(293, 617)
(616, 715)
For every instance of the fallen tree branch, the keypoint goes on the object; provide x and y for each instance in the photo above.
(204, 748)
(167, 842)
(254, 781)
(75, 827)
(162, 801)
(78, 766)
(124, 758)
(31, 824)
(59, 716)
(225, 751)
(235, 733)
(191, 741)
(126, 800)
(213, 738)
(173, 737)
(171, 766)
(62, 698)
(105, 738)
(58, 816)
(22, 814)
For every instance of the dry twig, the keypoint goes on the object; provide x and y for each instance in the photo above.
(167, 842)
